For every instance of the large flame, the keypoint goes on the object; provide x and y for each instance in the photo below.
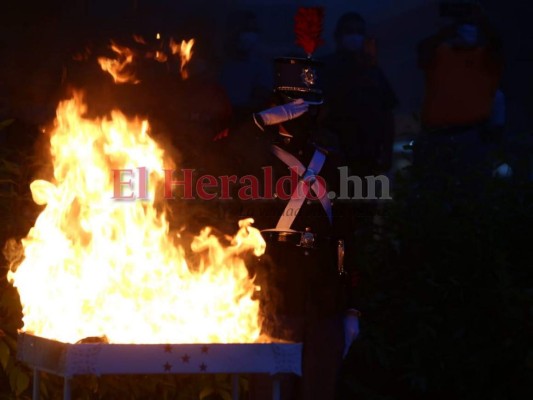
(94, 266)
(118, 68)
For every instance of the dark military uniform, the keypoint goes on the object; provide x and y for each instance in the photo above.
(301, 295)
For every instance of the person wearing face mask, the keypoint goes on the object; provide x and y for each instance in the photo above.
(462, 65)
(244, 74)
(360, 110)
(360, 99)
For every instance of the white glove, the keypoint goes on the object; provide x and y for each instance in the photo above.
(285, 112)
(351, 329)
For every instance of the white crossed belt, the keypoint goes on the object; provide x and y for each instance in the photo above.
(307, 182)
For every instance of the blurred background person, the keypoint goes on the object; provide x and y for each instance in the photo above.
(360, 110)
(245, 74)
(463, 108)
(360, 99)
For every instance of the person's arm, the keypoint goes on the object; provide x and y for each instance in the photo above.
(277, 115)
(257, 123)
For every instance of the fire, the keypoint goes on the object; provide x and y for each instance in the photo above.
(94, 266)
(118, 67)
(185, 52)
(160, 56)
(139, 39)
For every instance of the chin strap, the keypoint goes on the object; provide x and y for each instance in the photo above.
(307, 181)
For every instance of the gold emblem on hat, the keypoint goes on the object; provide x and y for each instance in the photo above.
(308, 76)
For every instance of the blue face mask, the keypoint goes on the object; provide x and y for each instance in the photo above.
(468, 34)
(353, 42)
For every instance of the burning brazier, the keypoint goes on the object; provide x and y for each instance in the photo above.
(94, 266)
(68, 360)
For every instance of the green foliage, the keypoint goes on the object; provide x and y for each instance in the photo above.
(13, 374)
(447, 293)
(16, 217)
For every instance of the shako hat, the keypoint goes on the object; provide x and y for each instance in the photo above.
(299, 77)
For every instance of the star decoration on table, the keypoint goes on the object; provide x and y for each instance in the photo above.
(203, 367)
(185, 358)
(205, 349)
(167, 366)
(168, 348)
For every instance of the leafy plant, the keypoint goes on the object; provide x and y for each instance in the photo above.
(447, 295)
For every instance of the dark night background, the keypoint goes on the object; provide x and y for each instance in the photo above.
(446, 295)
(37, 36)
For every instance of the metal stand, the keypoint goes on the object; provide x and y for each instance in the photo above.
(66, 389)
(235, 391)
(276, 388)
(68, 360)
(36, 384)
(235, 387)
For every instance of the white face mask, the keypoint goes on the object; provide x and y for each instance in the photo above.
(468, 33)
(353, 42)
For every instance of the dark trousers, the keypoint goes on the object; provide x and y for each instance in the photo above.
(300, 303)
(321, 362)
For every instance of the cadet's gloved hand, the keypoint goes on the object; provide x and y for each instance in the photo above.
(351, 329)
(285, 112)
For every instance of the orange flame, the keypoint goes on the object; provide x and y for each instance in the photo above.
(174, 47)
(118, 67)
(160, 56)
(94, 266)
(139, 39)
(185, 52)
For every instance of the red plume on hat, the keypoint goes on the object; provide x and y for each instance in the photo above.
(309, 23)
